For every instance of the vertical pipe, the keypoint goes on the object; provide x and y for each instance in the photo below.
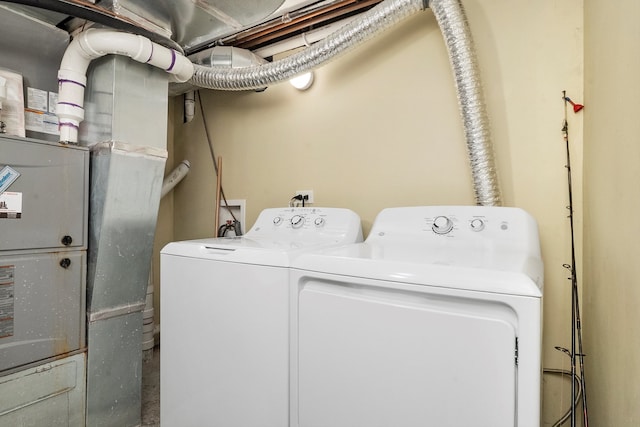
(218, 191)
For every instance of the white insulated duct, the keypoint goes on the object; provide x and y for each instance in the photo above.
(369, 24)
(92, 44)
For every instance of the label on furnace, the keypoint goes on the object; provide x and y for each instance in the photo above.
(11, 205)
(7, 304)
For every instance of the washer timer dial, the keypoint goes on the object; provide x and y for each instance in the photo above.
(297, 221)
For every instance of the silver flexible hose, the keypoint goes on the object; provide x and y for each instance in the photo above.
(455, 29)
(371, 23)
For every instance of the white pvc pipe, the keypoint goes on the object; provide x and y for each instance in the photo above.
(189, 106)
(175, 177)
(92, 44)
(3, 96)
(3, 90)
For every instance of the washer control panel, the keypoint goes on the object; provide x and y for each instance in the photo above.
(299, 220)
(298, 223)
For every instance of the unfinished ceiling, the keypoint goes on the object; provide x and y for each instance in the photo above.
(195, 25)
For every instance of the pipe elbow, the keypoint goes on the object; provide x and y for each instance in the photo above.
(95, 43)
(183, 70)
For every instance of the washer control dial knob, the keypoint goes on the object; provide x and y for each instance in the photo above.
(297, 221)
(277, 220)
(319, 222)
(442, 225)
(477, 224)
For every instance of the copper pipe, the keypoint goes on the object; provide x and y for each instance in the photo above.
(218, 190)
(278, 28)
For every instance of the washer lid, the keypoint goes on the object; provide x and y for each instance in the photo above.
(510, 273)
(278, 236)
(245, 250)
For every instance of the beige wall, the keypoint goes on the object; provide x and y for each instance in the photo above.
(612, 203)
(380, 127)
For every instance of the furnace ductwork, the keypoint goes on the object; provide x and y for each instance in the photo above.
(92, 44)
(449, 14)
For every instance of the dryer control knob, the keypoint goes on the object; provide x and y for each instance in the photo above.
(319, 222)
(277, 220)
(297, 221)
(442, 225)
(477, 224)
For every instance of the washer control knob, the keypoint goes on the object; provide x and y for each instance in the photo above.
(297, 221)
(477, 224)
(442, 225)
(277, 220)
(319, 222)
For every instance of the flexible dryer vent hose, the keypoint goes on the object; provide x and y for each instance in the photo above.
(455, 29)
(369, 24)
(457, 36)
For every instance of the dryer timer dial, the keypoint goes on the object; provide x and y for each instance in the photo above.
(442, 225)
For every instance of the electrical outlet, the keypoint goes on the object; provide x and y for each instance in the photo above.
(308, 194)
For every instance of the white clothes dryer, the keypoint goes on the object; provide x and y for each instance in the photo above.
(435, 320)
(225, 318)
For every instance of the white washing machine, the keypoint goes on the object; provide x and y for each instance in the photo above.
(435, 320)
(225, 318)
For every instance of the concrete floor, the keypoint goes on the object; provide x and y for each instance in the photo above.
(151, 390)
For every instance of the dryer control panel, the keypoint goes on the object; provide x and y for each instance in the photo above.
(456, 222)
(472, 236)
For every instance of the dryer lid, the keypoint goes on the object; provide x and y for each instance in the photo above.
(494, 249)
(403, 265)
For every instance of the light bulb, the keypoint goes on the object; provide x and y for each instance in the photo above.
(303, 81)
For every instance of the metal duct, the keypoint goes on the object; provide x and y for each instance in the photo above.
(455, 29)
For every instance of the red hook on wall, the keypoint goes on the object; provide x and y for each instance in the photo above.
(576, 107)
